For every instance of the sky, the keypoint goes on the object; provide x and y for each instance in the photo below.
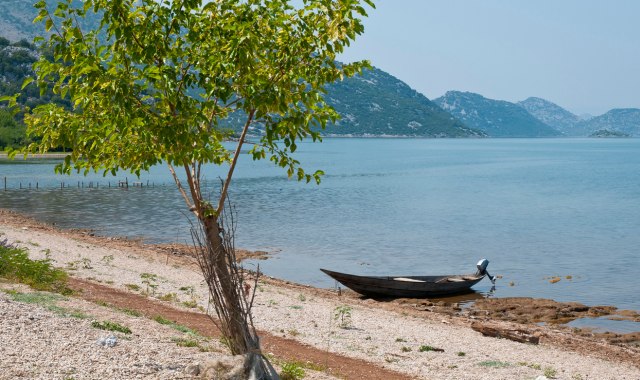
(583, 55)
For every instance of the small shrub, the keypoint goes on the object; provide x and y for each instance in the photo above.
(400, 340)
(150, 280)
(292, 371)
(191, 304)
(426, 348)
(550, 372)
(169, 297)
(461, 353)
(133, 287)
(107, 259)
(342, 314)
(111, 326)
(302, 297)
(15, 265)
(185, 342)
(405, 349)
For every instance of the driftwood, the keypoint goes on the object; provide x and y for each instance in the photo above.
(518, 335)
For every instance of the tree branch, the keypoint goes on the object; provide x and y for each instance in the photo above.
(236, 154)
(179, 184)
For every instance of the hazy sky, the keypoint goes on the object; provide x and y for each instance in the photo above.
(583, 55)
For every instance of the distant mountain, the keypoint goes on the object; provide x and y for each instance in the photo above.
(551, 114)
(497, 118)
(377, 103)
(16, 19)
(624, 120)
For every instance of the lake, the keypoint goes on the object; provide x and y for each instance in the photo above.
(536, 208)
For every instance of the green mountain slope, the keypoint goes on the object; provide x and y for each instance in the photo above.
(497, 118)
(377, 103)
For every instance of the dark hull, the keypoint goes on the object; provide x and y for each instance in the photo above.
(407, 286)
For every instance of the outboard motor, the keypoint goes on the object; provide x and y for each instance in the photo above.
(482, 269)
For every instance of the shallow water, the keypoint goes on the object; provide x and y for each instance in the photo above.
(536, 208)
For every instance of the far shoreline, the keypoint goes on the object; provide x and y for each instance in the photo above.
(37, 156)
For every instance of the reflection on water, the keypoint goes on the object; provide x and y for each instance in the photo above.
(535, 208)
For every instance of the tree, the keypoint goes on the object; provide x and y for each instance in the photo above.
(158, 80)
(12, 134)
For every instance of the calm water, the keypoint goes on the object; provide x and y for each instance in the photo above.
(535, 208)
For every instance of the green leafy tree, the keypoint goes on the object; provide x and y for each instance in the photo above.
(158, 79)
(12, 134)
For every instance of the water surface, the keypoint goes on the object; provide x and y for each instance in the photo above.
(536, 208)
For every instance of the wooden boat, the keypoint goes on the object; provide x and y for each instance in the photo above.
(411, 286)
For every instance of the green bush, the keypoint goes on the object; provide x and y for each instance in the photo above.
(15, 265)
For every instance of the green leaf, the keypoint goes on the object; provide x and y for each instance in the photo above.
(26, 82)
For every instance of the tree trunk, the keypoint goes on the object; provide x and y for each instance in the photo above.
(225, 288)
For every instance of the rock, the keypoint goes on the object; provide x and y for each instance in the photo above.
(109, 341)
(193, 369)
(226, 368)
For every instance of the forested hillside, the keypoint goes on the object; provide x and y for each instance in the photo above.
(15, 65)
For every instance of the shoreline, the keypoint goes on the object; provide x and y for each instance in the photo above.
(292, 310)
(532, 310)
(36, 156)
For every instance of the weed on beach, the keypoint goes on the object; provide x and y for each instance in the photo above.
(494, 364)
(111, 326)
(15, 265)
(163, 321)
(342, 315)
(291, 371)
(426, 348)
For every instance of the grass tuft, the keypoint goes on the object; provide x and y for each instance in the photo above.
(111, 326)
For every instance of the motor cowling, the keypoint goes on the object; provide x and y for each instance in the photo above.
(482, 266)
(482, 270)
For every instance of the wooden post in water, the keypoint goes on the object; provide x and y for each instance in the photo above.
(5, 183)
